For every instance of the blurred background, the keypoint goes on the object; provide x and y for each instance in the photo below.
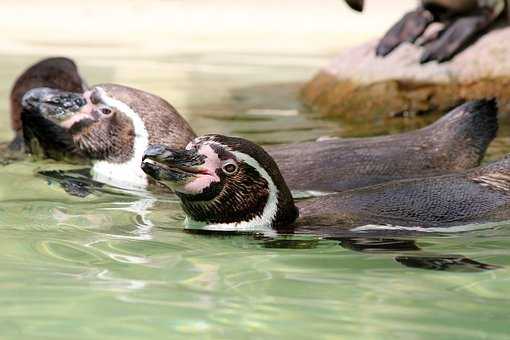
(210, 59)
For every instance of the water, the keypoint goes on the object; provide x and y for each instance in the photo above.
(119, 265)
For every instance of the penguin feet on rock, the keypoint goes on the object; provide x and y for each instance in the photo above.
(464, 22)
(407, 29)
(455, 37)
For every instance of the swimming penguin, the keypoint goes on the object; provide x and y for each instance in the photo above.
(464, 20)
(455, 142)
(58, 73)
(108, 125)
(231, 184)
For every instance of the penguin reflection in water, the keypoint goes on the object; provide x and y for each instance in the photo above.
(464, 21)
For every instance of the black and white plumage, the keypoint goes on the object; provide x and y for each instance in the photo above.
(224, 183)
(108, 125)
(251, 194)
(455, 142)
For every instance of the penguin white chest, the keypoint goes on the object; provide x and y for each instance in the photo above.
(128, 174)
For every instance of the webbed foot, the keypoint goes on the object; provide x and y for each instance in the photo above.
(408, 29)
(455, 37)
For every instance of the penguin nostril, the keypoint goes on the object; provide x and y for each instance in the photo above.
(80, 101)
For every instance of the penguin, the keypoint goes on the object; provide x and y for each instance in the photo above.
(108, 126)
(464, 21)
(230, 184)
(455, 142)
(59, 73)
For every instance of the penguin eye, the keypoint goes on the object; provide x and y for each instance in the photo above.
(106, 111)
(95, 97)
(229, 168)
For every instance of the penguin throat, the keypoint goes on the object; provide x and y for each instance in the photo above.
(127, 174)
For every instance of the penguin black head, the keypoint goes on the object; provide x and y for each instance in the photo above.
(224, 183)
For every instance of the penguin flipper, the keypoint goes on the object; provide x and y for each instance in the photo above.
(451, 263)
(79, 183)
(384, 246)
(74, 182)
(407, 29)
(439, 262)
(458, 35)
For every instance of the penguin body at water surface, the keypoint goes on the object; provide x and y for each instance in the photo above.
(110, 125)
(231, 184)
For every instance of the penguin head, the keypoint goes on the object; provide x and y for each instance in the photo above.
(93, 123)
(108, 122)
(224, 183)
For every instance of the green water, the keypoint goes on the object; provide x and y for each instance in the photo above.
(120, 266)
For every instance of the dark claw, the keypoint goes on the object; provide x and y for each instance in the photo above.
(356, 5)
(383, 50)
(409, 28)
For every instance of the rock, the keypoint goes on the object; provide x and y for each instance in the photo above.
(358, 85)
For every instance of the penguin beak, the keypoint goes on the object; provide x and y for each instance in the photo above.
(356, 5)
(53, 104)
(172, 165)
